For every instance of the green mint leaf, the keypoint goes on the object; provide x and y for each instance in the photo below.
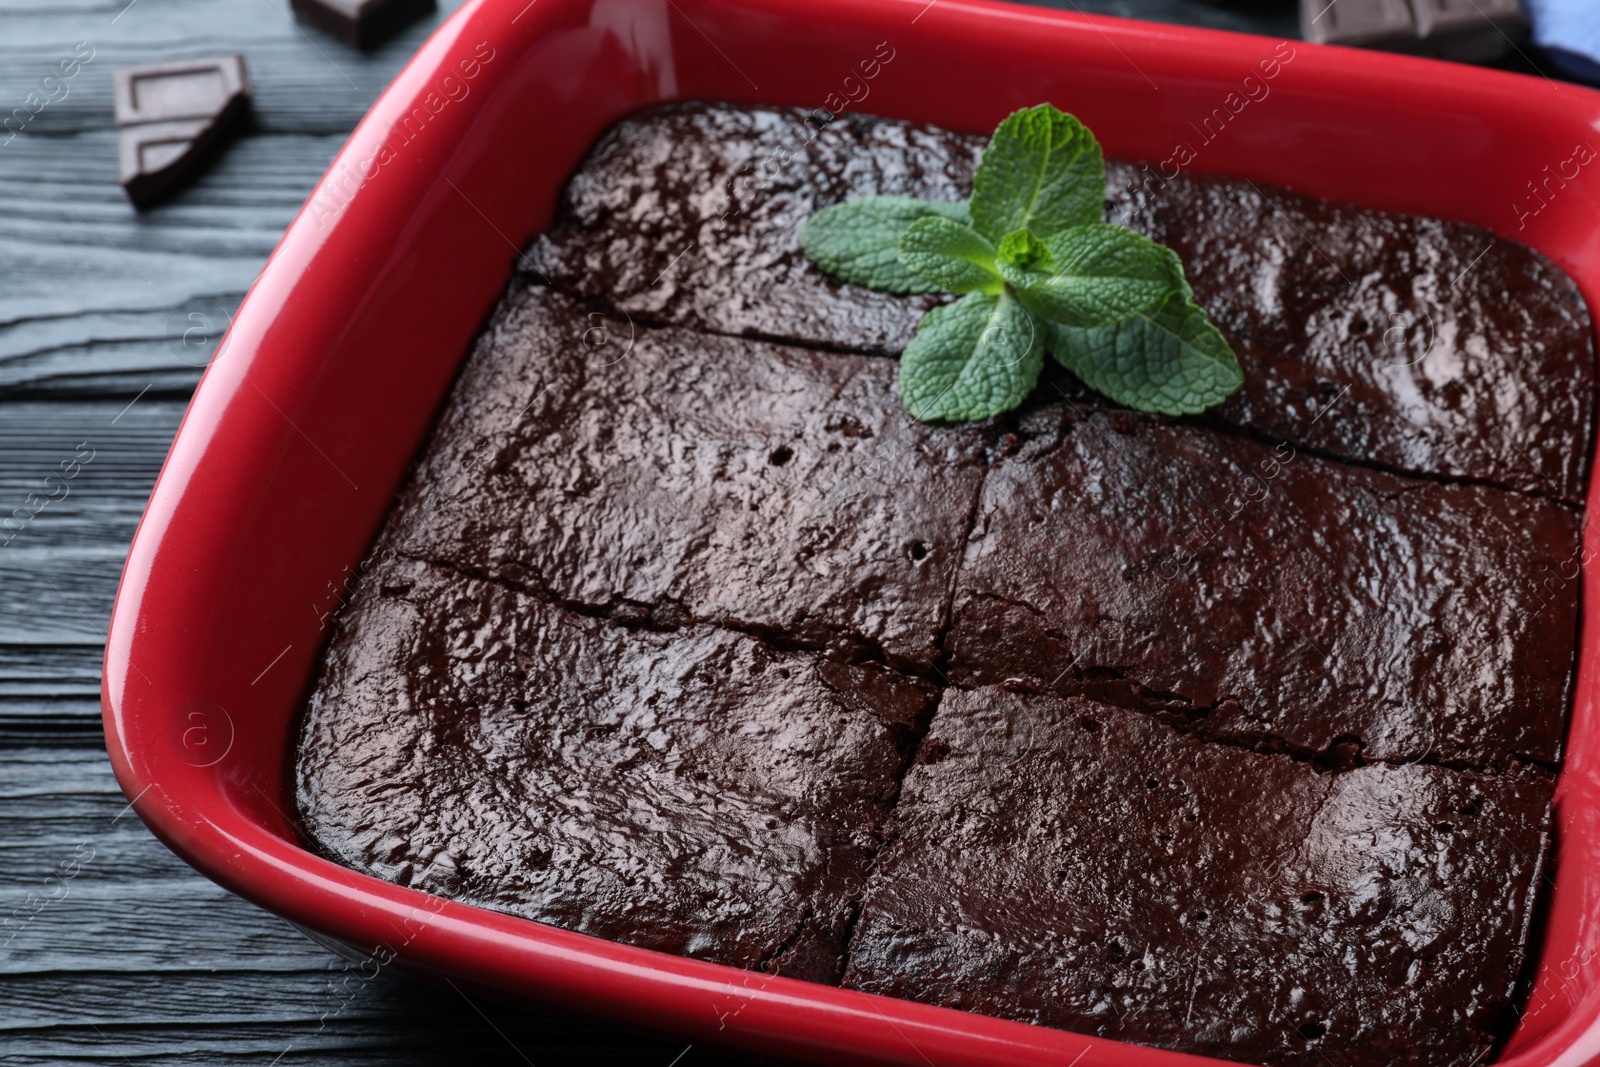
(1040, 271)
(1043, 171)
(950, 255)
(1100, 274)
(971, 359)
(858, 240)
(1171, 359)
(1020, 248)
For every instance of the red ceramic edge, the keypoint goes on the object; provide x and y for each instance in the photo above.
(291, 449)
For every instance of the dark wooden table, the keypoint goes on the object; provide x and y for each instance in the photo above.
(111, 949)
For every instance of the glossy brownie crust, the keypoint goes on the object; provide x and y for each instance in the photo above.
(1421, 346)
(691, 791)
(1200, 896)
(667, 476)
(1233, 735)
(1258, 595)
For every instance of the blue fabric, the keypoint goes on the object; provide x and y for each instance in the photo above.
(1568, 32)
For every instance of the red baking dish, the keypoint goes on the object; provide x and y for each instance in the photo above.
(302, 427)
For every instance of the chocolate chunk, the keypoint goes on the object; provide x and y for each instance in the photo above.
(169, 118)
(361, 23)
(1469, 31)
(1367, 23)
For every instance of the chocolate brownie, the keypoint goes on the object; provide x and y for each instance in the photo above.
(1079, 865)
(1243, 727)
(674, 476)
(1259, 595)
(695, 792)
(1429, 346)
(1424, 346)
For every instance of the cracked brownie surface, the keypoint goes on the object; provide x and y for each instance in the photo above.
(695, 791)
(1080, 865)
(1442, 350)
(671, 476)
(1233, 734)
(1257, 594)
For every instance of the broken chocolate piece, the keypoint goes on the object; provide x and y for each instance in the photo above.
(170, 116)
(361, 23)
(1468, 31)
(1364, 23)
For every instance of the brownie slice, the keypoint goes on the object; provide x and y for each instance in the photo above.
(1410, 342)
(693, 792)
(676, 477)
(1258, 595)
(1419, 345)
(689, 215)
(1078, 865)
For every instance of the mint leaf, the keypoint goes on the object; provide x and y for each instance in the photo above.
(971, 359)
(1040, 271)
(858, 240)
(1043, 171)
(1021, 248)
(1100, 274)
(1170, 359)
(950, 255)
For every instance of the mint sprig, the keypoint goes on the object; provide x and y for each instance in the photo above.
(1040, 272)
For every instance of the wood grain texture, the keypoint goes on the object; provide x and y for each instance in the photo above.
(111, 949)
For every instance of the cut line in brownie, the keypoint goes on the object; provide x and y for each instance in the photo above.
(677, 477)
(1414, 344)
(694, 792)
(1264, 597)
(1081, 866)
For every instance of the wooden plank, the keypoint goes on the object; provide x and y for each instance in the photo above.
(108, 290)
(36, 672)
(63, 816)
(70, 721)
(95, 352)
(74, 478)
(334, 1015)
(304, 80)
(401, 1022)
(111, 947)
